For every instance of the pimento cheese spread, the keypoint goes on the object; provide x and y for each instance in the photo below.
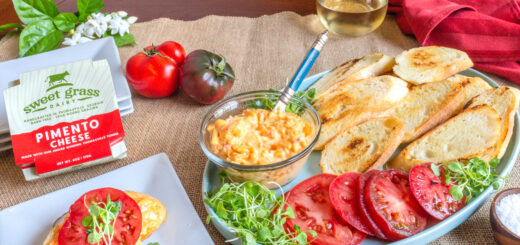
(258, 137)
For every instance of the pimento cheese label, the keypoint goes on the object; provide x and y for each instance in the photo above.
(63, 116)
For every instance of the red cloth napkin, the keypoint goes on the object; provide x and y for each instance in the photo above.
(488, 30)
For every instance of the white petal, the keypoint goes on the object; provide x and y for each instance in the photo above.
(69, 42)
(84, 40)
(131, 19)
(122, 13)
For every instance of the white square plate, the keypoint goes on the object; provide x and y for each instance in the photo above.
(30, 221)
(104, 48)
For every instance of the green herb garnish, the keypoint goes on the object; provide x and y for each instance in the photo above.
(269, 101)
(471, 178)
(255, 214)
(101, 221)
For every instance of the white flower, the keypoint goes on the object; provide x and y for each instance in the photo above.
(118, 25)
(100, 17)
(131, 19)
(122, 13)
(75, 39)
(95, 27)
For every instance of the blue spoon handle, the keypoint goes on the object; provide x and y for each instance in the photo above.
(302, 71)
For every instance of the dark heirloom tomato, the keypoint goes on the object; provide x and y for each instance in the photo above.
(343, 195)
(152, 74)
(313, 211)
(432, 193)
(127, 227)
(206, 77)
(392, 205)
(362, 200)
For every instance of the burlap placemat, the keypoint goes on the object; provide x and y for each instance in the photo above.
(263, 51)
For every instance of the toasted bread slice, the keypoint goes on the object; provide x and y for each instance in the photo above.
(505, 101)
(351, 103)
(430, 64)
(363, 147)
(369, 66)
(472, 133)
(473, 86)
(427, 105)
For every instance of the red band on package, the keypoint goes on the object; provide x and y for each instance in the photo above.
(67, 144)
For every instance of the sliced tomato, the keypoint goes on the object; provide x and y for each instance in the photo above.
(313, 211)
(343, 195)
(432, 193)
(127, 226)
(392, 206)
(365, 216)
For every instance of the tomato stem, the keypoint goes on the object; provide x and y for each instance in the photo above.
(153, 51)
(220, 66)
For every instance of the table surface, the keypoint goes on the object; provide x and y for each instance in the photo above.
(181, 9)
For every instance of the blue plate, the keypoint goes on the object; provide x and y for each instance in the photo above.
(435, 230)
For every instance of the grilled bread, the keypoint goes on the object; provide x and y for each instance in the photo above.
(351, 103)
(369, 66)
(430, 64)
(427, 105)
(472, 133)
(473, 86)
(505, 102)
(363, 147)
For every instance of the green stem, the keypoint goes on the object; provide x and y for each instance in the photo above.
(11, 25)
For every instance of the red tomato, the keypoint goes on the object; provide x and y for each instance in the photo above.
(173, 50)
(432, 193)
(362, 200)
(152, 74)
(343, 195)
(127, 226)
(392, 206)
(313, 211)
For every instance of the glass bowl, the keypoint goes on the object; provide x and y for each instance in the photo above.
(280, 172)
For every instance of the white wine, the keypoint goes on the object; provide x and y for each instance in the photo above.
(351, 17)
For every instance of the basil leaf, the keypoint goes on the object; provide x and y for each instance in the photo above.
(65, 21)
(11, 25)
(30, 11)
(87, 7)
(39, 37)
(127, 39)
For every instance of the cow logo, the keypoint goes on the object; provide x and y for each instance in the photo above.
(68, 94)
(58, 80)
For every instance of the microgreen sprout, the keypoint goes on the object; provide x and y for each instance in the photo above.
(101, 220)
(469, 179)
(269, 101)
(255, 214)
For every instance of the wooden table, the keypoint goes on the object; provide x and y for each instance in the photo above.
(181, 9)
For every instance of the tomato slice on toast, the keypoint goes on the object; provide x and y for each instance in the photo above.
(127, 225)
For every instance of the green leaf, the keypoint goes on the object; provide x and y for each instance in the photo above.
(250, 239)
(30, 11)
(221, 211)
(264, 234)
(496, 185)
(94, 210)
(456, 167)
(87, 221)
(301, 238)
(494, 162)
(11, 25)
(127, 39)
(87, 7)
(290, 213)
(435, 169)
(153, 243)
(456, 192)
(65, 21)
(94, 237)
(39, 37)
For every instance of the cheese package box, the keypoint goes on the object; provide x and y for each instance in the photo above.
(64, 118)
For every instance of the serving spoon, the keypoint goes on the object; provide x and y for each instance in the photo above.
(302, 71)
